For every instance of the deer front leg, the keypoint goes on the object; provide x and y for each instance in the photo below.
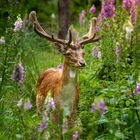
(72, 118)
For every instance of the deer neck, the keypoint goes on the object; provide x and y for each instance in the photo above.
(69, 74)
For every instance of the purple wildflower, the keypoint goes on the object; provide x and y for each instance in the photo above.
(51, 104)
(107, 10)
(93, 108)
(82, 16)
(18, 24)
(102, 106)
(96, 53)
(101, 15)
(137, 90)
(20, 102)
(75, 135)
(60, 66)
(45, 116)
(65, 126)
(97, 28)
(92, 10)
(27, 105)
(117, 50)
(42, 126)
(43, 123)
(18, 73)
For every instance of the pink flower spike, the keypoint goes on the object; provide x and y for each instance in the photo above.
(127, 4)
(133, 14)
(138, 2)
(107, 10)
(92, 10)
(17, 74)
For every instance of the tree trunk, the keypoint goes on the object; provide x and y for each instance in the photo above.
(64, 17)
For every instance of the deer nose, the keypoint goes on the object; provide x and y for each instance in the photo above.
(82, 63)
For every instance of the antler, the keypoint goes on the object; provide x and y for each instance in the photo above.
(90, 36)
(39, 30)
(70, 38)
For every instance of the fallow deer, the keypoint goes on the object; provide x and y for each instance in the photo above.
(62, 84)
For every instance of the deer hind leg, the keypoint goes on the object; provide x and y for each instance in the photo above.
(40, 103)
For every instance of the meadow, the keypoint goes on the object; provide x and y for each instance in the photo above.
(109, 107)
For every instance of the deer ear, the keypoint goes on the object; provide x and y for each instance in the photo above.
(74, 33)
(60, 48)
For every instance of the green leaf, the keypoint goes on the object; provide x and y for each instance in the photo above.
(103, 120)
(136, 127)
(127, 103)
(119, 135)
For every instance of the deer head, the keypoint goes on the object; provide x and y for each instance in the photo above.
(73, 52)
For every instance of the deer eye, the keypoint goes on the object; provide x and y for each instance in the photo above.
(83, 54)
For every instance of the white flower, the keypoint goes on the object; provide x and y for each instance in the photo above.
(52, 15)
(20, 102)
(128, 28)
(18, 24)
(2, 40)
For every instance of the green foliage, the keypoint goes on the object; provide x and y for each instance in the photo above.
(113, 78)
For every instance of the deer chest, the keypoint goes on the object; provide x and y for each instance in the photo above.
(67, 97)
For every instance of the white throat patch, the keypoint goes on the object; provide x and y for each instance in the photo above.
(72, 73)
